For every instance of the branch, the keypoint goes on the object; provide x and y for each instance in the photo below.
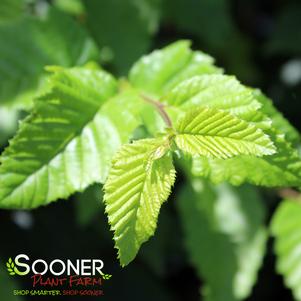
(160, 108)
(289, 193)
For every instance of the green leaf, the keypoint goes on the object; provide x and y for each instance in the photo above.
(218, 91)
(281, 124)
(68, 141)
(218, 134)
(128, 23)
(215, 90)
(280, 169)
(286, 228)
(225, 237)
(163, 69)
(55, 40)
(139, 181)
(212, 25)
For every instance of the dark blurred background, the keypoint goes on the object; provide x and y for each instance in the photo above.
(259, 42)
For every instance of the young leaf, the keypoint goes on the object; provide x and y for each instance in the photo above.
(280, 169)
(225, 237)
(215, 90)
(139, 181)
(281, 124)
(161, 70)
(218, 134)
(286, 228)
(69, 139)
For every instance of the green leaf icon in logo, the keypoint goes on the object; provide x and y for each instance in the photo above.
(11, 267)
(106, 276)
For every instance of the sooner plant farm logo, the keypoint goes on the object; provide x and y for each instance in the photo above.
(69, 277)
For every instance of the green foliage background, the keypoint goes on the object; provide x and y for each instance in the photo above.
(257, 41)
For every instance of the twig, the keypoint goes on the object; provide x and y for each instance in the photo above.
(289, 193)
(160, 108)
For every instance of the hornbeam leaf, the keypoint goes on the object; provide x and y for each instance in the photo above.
(218, 134)
(215, 90)
(139, 181)
(286, 228)
(278, 121)
(163, 69)
(280, 169)
(69, 139)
